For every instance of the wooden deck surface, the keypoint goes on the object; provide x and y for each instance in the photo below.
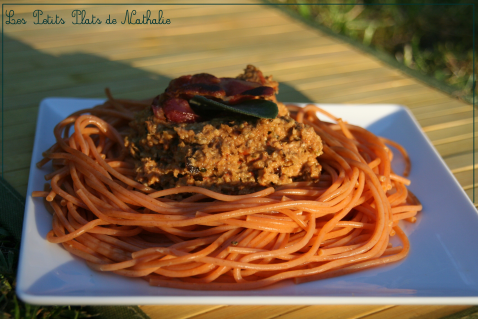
(137, 61)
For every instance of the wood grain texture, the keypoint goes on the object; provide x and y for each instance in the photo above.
(139, 61)
(410, 312)
(334, 312)
(178, 312)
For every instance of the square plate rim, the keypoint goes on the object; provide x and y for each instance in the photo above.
(121, 300)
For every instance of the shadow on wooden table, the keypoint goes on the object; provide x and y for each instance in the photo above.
(31, 75)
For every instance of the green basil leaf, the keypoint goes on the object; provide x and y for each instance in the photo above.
(257, 108)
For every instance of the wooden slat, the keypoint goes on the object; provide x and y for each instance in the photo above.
(443, 124)
(453, 130)
(244, 312)
(20, 115)
(465, 177)
(457, 138)
(178, 312)
(430, 122)
(18, 179)
(461, 162)
(422, 312)
(379, 96)
(332, 312)
(431, 111)
(454, 148)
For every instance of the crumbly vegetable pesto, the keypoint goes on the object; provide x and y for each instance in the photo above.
(224, 155)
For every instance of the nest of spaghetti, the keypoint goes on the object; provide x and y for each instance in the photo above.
(302, 231)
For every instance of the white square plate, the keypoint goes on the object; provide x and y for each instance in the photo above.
(442, 267)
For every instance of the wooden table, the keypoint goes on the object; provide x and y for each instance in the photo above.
(137, 61)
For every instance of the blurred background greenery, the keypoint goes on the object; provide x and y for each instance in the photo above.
(431, 37)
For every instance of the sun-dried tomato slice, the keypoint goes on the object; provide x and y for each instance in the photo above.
(265, 92)
(178, 111)
(205, 78)
(178, 83)
(234, 86)
(209, 90)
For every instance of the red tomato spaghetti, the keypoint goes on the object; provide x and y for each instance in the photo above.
(211, 241)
